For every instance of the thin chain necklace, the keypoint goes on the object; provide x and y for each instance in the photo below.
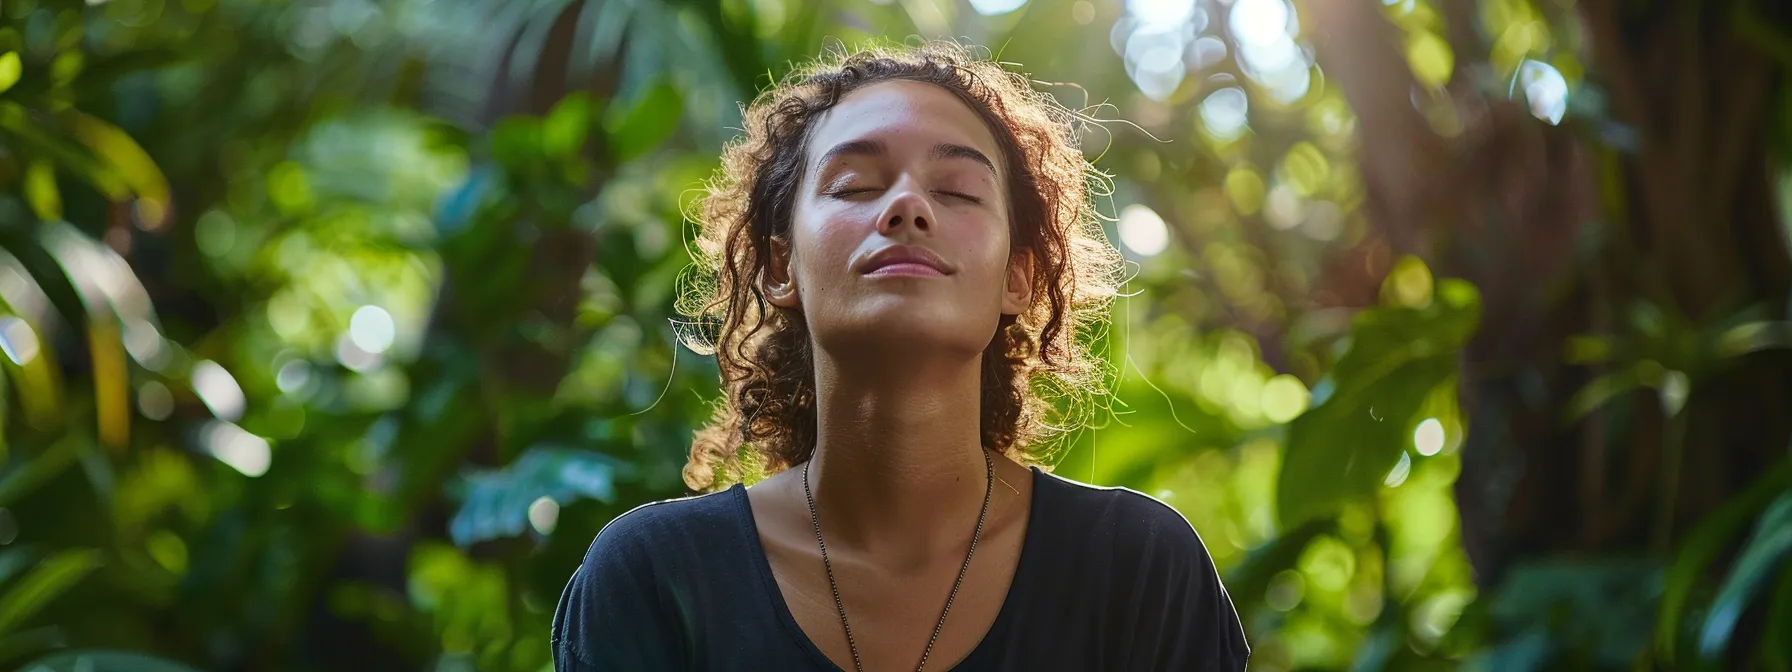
(989, 471)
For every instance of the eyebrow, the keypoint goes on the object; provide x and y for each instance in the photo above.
(944, 150)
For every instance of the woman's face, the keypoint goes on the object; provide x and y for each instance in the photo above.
(900, 171)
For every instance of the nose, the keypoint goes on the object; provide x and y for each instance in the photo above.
(908, 207)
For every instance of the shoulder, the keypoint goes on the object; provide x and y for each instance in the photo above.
(651, 545)
(1163, 592)
(1131, 522)
(660, 527)
(626, 584)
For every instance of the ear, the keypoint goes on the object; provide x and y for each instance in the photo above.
(1017, 292)
(776, 281)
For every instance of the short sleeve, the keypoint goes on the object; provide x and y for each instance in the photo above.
(1184, 618)
(613, 614)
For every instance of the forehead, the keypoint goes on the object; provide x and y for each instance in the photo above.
(903, 114)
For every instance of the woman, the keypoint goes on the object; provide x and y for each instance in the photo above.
(899, 252)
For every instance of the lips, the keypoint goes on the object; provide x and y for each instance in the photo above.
(903, 260)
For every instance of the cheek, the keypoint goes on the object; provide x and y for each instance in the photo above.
(825, 241)
(987, 252)
(990, 238)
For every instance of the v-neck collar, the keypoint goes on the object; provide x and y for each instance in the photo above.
(979, 655)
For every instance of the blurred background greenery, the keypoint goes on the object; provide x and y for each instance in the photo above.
(333, 330)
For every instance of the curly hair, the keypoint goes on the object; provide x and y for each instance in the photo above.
(765, 421)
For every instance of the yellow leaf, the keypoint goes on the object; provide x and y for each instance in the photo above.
(1245, 187)
(9, 70)
(45, 582)
(1306, 168)
(1409, 284)
(1431, 59)
(41, 192)
(111, 379)
(115, 148)
(33, 366)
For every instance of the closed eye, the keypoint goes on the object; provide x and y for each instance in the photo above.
(841, 193)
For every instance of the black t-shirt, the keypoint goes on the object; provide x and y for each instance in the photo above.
(1109, 579)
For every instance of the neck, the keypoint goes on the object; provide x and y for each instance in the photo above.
(898, 472)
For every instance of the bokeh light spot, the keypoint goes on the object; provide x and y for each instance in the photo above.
(215, 233)
(1285, 590)
(1545, 89)
(1161, 12)
(1429, 437)
(218, 390)
(1284, 398)
(1306, 168)
(1143, 230)
(1431, 58)
(17, 341)
(995, 7)
(293, 376)
(1328, 563)
(1259, 22)
(244, 452)
(353, 356)
(372, 329)
(1245, 187)
(1083, 12)
(1225, 113)
(544, 515)
(1282, 208)
(155, 401)
(1401, 470)
(289, 188)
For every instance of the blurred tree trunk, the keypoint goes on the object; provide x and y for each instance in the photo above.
(1569, 230)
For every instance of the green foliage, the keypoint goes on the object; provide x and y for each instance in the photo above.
(334, 316)
(51, 577)
(501, 503)
(643, 125)
(1397, 356)
(1556, 612)
(1762, 503)
(1760, 559)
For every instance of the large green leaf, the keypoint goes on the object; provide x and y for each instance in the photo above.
(127, 159)
(1250, 578)
(1776, 652)
(1343, 447)
(31, 474)
(516, 141)
(496, 503)
(15, 559)
(1763, 555)
(29, 133)
(635, 129)
(1754, 337)
(1599, 608)
(1710, 537)
(44, 583)
(565, 128)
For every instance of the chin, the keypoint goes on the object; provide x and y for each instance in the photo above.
(907, 332)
